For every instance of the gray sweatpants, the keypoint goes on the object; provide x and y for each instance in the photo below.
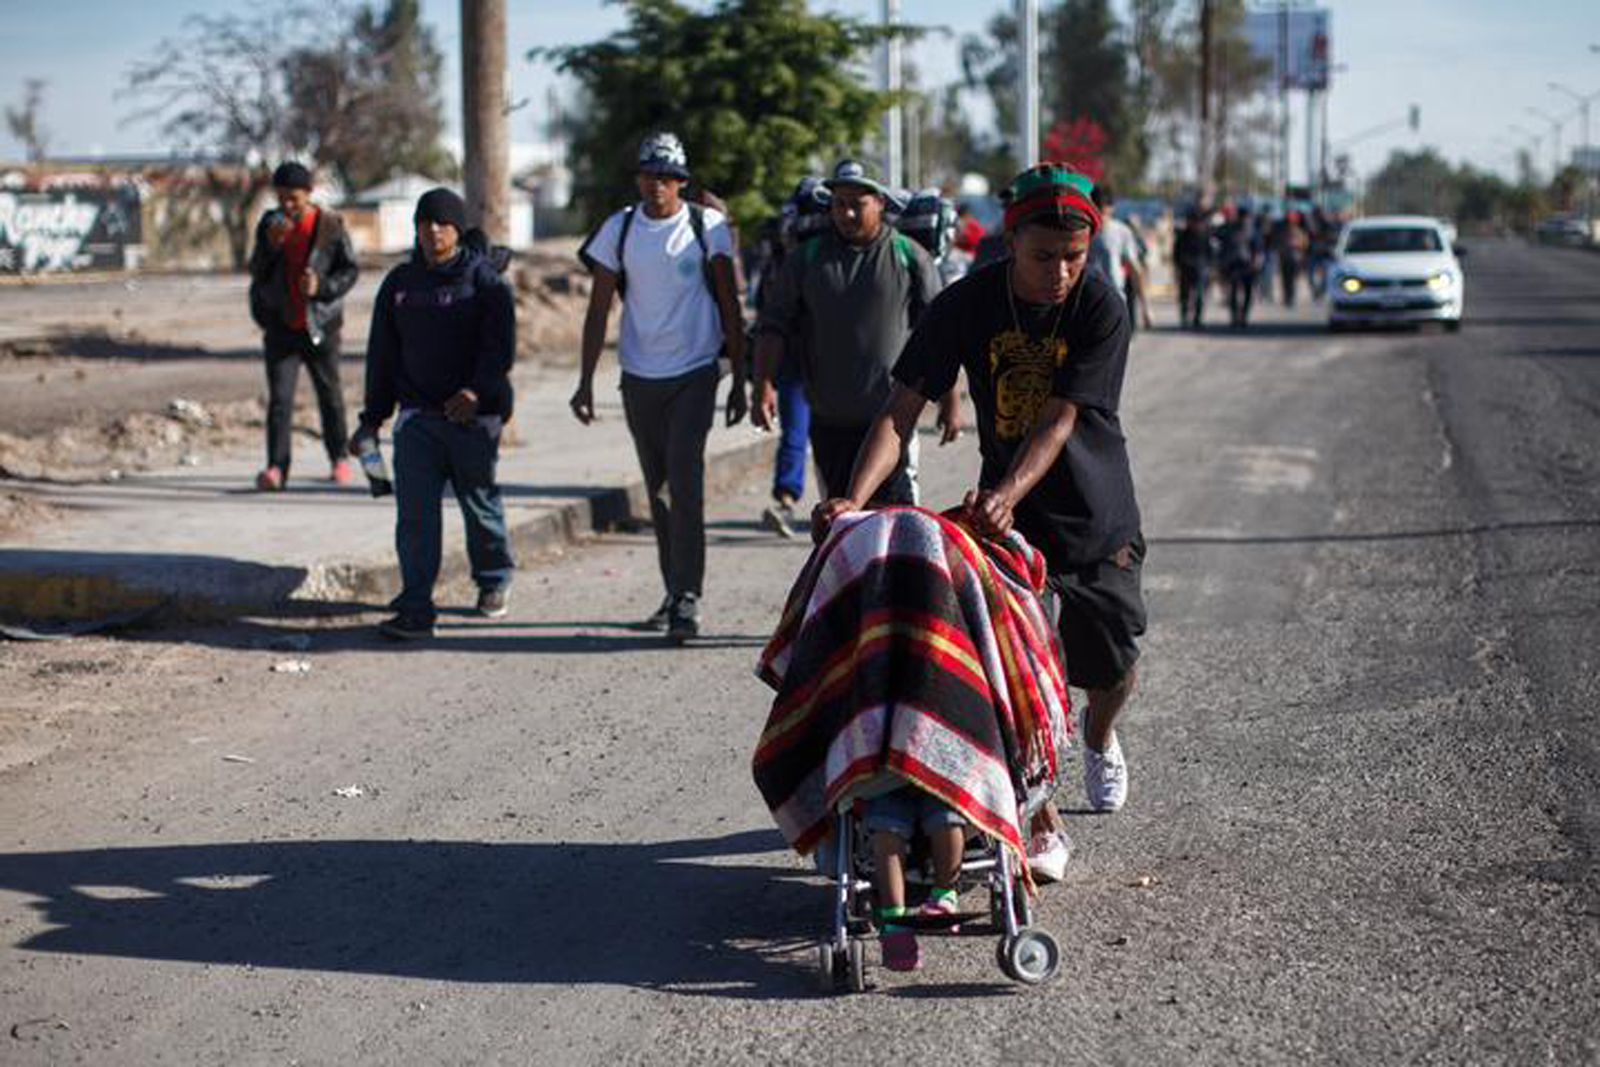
(670, 419)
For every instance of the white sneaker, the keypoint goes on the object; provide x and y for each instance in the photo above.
(1048, 852)
(1105, 776)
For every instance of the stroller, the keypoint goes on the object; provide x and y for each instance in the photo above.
(1025, 953)
(910, 649)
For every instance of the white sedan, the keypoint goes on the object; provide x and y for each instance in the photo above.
(1395, 268)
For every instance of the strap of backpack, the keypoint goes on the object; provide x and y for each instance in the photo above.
(697, 224)
(907, 257)
(622, 244)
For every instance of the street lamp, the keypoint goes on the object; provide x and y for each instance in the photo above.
(1587, 162)
(1555, 145)
(1533, 156)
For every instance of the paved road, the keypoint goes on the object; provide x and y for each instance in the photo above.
(1364, 773)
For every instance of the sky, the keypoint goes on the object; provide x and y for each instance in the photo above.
(1474, 67)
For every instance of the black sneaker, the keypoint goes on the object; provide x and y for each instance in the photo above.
(684, 622)
(661, 618)
(406, 627)
(493, 603)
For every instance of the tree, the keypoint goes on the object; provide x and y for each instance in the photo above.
(249, 91)
(25, 122)
(218, 90)
(760, 91)
(1085, 78)
(370, 104)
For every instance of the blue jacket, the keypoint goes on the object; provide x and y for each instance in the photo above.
(437, 330)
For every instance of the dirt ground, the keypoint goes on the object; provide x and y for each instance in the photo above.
(106, 376)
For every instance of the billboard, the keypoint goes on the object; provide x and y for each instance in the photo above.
(1306, 34)
(69, 229)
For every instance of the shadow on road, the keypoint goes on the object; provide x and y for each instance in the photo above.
(676, 916)
(1388, 535)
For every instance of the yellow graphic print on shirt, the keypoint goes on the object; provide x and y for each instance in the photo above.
(1022, 368)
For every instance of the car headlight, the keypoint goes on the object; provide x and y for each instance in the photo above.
(1350, 284)
(1441, 280)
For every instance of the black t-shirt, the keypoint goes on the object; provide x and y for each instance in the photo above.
(1083, 509)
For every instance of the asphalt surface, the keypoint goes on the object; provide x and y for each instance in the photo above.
(1363, 822)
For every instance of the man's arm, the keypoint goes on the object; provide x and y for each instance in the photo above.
(594, 339)
(991, 509)
(779, 312)
(383, 349)
(342, 269)
(497, 351)
(727, 296)
(880, 453)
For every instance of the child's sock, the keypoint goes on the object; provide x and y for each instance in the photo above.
(886, 916)
(944, 898)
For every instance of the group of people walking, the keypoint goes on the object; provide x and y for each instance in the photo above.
(1242, 251)
(856, 318)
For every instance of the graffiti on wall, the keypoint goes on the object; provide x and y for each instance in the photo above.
(65, 230)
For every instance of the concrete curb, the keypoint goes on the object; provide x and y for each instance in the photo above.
(165, 592)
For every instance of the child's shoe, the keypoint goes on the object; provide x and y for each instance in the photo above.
(942, 902)
(900, 951)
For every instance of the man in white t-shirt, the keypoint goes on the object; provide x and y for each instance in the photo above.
(1115, 249)
(672, 264)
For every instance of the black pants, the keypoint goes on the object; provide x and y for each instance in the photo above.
(670, 419)
(1101, 616)
(1241, 292)
(286, 350)
(834, 449)
(1191, 296)
(1289, 273)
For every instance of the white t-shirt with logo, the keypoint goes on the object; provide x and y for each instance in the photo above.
(670, 324)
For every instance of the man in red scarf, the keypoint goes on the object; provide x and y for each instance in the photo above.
(300, 269)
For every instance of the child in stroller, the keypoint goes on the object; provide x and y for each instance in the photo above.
(892, 819)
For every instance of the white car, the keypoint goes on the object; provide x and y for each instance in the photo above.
(1395, 268)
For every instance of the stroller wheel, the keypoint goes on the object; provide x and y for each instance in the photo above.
(858, 965)
(1031, 957)
(825, 974)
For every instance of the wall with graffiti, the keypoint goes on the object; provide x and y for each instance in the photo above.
(70, 229)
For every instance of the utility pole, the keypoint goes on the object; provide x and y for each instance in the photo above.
(1283, 101)
(483, 116)
(1206, 187)
(1028, 84)
(1555, 145)
(893, 123)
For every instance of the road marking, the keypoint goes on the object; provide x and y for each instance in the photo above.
(1272, 468)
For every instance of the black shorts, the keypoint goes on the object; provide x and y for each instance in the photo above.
(1100, 615)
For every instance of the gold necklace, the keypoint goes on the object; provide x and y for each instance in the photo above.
(1016, 320)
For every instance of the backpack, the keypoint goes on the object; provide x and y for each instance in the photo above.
(697, 223)
(805, 214)
(930, 220)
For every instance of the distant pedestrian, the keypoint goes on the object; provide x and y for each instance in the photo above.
(1293, 247)
(1114, 251)
(1191, 258)
(671, 262)
(1241, 254)
(301, 267)
(442, 344)
(852, 295)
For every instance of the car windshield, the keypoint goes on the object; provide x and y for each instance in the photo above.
(1393, 239)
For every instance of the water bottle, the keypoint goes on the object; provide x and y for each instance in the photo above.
(373, 466)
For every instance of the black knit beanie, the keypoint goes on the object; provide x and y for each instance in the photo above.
(443, 207)
(291, 175)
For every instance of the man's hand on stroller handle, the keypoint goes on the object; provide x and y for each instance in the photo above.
(989, 512)
(825, 512)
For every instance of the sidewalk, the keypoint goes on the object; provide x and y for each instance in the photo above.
(199, 542)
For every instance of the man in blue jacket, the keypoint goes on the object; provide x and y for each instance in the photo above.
(442, 343)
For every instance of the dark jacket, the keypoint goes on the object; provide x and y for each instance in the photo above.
(437, 330)
(331, 257)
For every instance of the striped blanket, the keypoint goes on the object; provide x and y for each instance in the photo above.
(911, 650)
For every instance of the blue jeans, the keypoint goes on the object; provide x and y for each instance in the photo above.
(431, 452)
(794, 421)
(905, 810)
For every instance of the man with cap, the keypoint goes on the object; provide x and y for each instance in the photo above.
(300, 269)
(1044, 343)
(672, 264)
(443, 339)
(848, 299)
